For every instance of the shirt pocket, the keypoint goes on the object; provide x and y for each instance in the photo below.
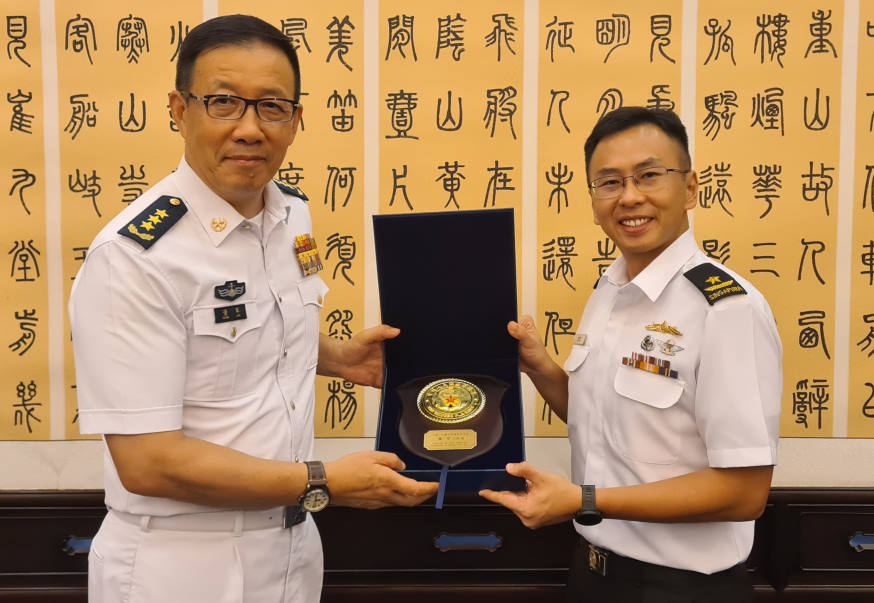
(648, 421)
(312, 292)
(576, 358)
(219, 352)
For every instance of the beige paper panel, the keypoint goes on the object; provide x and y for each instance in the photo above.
(326, 161)
(767, 153)
(24, 380)
(591, 60)
(116, 65)
(450, 107)
(450, 114)
(860, 418)
(780, 236)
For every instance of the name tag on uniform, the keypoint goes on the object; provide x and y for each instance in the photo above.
(229, 313)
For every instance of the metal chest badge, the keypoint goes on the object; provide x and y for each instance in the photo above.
(307, 254)
(666, 346)
(663, 327)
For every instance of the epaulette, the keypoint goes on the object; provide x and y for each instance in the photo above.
(714, 282)
(289, 189)
(154, 221)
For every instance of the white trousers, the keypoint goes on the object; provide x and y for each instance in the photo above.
(133, 564)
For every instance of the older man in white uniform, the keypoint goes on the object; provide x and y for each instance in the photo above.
(671, 391)
(195, 323)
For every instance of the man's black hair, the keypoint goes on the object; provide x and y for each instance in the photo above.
(624, 118)
(230, 30)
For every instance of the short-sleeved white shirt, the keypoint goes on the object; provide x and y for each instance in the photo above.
(628, 426)
(151, 354)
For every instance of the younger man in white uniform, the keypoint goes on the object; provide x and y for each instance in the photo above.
(671, 391)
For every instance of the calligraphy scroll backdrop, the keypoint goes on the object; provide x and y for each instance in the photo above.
(767, 91)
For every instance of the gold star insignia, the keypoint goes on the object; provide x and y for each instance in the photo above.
(146, 225)
(713, 280)
(155, 219)
(161, 213)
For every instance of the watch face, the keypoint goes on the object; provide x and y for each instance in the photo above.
(316, 499)
(588, 518)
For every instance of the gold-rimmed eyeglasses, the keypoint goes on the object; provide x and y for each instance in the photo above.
(228, 106)
(647, 180)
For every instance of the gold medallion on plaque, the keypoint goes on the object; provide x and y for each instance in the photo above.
(450, 401)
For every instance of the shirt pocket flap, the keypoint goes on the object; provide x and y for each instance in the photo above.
(576, 358)
(312, 290)
(205, 322)
(653, 390)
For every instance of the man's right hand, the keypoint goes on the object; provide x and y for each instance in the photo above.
(548, 377)
(546, 500)
(370, 480)
(532, 353)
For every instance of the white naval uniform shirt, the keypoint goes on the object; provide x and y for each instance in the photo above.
(627, 426)
(151, 356)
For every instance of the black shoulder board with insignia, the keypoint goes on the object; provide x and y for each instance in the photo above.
(291, 190)
(154, 221)
(714, 282)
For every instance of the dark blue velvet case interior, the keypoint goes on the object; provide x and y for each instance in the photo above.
(448, 281)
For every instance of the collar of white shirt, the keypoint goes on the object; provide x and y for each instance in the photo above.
(653, 279)
(209, 209)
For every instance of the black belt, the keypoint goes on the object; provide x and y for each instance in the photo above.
(607, 563)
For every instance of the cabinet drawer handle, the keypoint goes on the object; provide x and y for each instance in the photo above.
(862, 542)
(490, 542)
(76, 545)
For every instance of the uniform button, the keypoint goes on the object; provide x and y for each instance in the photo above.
(247, 226)
(280, 299)
(297, 459)
(319, 299)
(293, 406)
(284, 353)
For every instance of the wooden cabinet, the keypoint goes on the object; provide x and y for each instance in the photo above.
(467, 552)
(34, 527)
(807, 545)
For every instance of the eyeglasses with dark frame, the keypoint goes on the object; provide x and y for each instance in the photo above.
(228, 106)
(647, 180)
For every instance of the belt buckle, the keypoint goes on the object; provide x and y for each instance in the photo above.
(293, 516)
(598, 560)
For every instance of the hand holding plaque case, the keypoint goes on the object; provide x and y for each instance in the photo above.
(451, 419)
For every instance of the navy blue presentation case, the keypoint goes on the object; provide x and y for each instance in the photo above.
(448, 281)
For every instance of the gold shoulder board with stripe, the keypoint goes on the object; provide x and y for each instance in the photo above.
(713, 282)
(154, 221)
